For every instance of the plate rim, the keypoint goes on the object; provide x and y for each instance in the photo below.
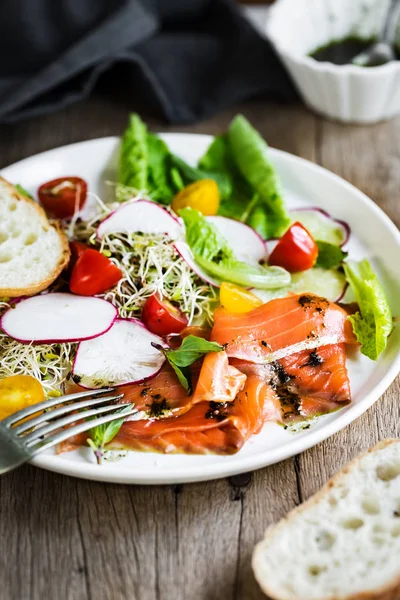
(224, 469)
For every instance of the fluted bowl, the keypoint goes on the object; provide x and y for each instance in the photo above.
(346, 93)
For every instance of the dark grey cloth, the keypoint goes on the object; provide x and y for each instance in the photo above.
(186, 58)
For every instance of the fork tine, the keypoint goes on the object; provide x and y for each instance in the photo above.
(58, 412)
(32, 437)
(67, 433)
(31, 410)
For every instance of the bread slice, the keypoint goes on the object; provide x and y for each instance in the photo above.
(344, 542)
(33, 251)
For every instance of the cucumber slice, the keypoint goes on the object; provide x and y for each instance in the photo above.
(321, 225)
(330, 284)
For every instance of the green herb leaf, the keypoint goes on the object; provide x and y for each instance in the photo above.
(329, 255)
(133, 160)
(180, 359)
(250, 154)
(103, 434)
(23, 191)
(212, 252)
(373, 324)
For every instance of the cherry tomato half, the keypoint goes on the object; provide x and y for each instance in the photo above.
(76, 250)
(61, 197)
(296, 250)
(18, 392)
(93, 273)
(161, 317)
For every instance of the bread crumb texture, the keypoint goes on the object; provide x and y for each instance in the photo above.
(342, 543)
(32, 251)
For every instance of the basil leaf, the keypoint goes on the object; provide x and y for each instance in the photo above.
(180, 359)
(103, 434)
(329, 255)
(373, 323)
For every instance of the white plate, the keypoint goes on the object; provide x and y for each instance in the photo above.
(373, 236)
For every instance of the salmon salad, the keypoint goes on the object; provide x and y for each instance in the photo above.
(196, 294)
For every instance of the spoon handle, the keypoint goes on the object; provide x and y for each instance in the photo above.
(388, 32)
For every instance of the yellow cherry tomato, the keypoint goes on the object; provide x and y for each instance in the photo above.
(237, 299)
(17, 392)
(203, 195)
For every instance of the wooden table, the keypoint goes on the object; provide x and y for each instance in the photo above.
(63, 538)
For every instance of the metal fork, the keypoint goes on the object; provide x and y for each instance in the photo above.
(20, 442)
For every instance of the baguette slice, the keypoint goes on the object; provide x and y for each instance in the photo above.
(344, 542)
(33, 252)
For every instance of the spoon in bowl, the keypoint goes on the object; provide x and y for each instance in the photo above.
(382, 51)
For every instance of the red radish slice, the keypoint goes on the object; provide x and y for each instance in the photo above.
(53, 318)
(140, 215)
(185, 252)
(247, 244)
(123, 355)
(322, 225)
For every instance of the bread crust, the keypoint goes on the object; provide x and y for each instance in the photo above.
(65, 253)
(390, 592)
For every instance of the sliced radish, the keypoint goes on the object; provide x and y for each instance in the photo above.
(322, 225)
(328, 283)
(140, 215)
(247, 244)
(185, 252)
(53, 318)
(123, 355)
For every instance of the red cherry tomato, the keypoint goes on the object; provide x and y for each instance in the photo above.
(161, 317)
(93, 273)
(61, 197)
(76, 249)
(296, 250)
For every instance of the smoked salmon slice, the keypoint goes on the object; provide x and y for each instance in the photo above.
(208, 427)
(281, 327)
(214, 381)
(305, 384)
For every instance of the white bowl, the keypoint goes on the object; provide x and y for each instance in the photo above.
(347, 93)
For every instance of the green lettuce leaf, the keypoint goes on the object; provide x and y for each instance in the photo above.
(250, 154)
(218, 158)
(158, 172)
(191, 174)
(373, 323)
(330, 256)
(133, 158)
(212, 252)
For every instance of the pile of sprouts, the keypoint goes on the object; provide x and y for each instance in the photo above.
(149, 264)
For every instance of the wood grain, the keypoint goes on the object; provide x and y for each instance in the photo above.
(68, 539)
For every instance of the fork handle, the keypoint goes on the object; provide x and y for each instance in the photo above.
(12, 456)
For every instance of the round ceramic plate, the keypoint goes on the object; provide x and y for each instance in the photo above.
(374, 236)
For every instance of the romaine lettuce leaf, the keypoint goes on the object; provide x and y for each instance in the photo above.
(250, 154)
(218, 158)
(191, 174)
(158, 180)
(373, 323)
(133, 158)
(212, 252)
